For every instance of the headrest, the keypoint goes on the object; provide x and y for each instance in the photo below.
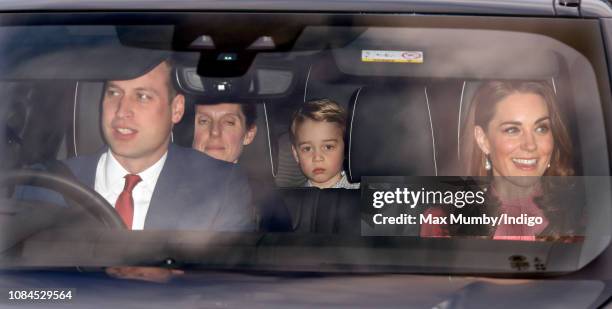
(256, 158)
(390, 133)
(289, 173)
(86, 130)
(33, 121)
(324, 80)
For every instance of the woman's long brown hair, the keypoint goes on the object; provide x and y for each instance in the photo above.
(483, 109)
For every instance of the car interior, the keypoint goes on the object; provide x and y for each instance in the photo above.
(404, 119)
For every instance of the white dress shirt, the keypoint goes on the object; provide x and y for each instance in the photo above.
(110, 182)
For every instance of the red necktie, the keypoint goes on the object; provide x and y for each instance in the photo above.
(125, 203)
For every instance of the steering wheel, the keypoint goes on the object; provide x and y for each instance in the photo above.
(79, 195)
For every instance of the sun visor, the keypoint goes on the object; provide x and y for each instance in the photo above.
(71, 52)
(449, 53)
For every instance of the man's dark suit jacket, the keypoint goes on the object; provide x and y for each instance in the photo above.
(193, 192)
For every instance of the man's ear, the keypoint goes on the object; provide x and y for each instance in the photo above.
(295, 155)
(178, 108)
(482, 140)
(250, 135)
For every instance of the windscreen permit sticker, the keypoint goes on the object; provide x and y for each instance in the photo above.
(399, 56)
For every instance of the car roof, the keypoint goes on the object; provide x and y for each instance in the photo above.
(588, 8)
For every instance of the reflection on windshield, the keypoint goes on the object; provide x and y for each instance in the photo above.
(448, 144)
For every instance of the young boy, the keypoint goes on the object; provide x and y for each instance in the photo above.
(317, 138)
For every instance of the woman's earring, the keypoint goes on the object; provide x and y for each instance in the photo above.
(487, 163)
(548, 166)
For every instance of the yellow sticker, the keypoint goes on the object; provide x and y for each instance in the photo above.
(399, 56)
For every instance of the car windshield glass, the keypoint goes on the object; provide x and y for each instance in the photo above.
(414, 143)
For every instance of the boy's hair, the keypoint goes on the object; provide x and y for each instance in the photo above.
(318, 110)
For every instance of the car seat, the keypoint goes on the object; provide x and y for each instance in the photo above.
(391, 132)
(323, 80)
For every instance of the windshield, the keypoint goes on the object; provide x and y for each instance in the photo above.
(409, 144)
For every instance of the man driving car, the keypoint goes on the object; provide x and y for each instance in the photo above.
(152, 183)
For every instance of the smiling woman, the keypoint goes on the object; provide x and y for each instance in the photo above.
(518, 137)
(518, 132)
(515, 139)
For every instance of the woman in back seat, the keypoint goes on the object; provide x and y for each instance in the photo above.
(222, 131)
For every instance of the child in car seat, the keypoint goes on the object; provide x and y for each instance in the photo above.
(317, 142)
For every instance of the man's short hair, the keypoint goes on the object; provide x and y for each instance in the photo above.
(318, 110)
(172, 92)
